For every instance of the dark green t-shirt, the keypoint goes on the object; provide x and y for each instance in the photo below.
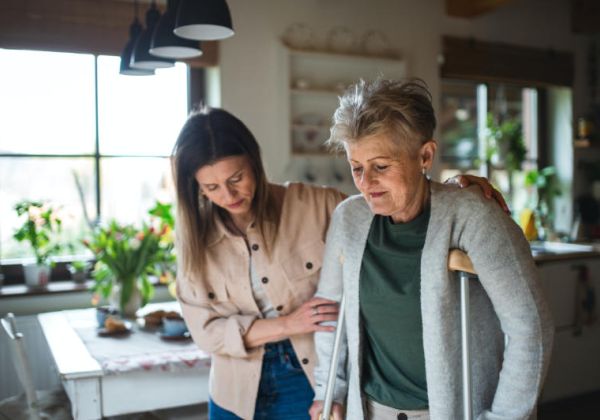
(390, 307)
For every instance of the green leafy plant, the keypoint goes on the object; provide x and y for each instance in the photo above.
(79, 270)
(505, 143)
(79, 265)
(41, 228)
(128, 255)
(547, 187)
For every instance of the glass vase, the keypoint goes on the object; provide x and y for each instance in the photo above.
(128, 308)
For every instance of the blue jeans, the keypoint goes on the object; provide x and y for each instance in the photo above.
(283, 392)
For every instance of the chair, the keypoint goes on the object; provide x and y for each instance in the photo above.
(32, 405)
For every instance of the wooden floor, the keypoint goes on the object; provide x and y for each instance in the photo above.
(192, 412)
(584, 407)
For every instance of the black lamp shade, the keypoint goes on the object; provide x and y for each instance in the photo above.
(134, 32)
(166, 44)
(141, 57)
(203, 20)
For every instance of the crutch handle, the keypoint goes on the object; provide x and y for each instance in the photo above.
(459, 261)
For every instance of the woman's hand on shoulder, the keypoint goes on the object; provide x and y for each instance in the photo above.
(308, 316)
(463, 181)
(337, 411)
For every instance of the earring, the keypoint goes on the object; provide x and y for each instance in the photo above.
(423, 171)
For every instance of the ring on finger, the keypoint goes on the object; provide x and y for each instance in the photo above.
(315, 310)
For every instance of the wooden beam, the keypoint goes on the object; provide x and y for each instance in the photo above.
(470, 59)
(472, 8)
(585, 16)
(80, 26)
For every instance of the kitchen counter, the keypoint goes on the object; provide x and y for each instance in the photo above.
(570, 276)
(558, 251)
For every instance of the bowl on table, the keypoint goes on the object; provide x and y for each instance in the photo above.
(174, 326)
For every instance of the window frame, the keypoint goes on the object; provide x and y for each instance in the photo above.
(11, 269)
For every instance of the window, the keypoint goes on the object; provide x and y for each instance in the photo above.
(470, 114)
(71, 119)
(529, 86)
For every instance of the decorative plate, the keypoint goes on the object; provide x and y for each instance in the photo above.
(375, 43)
(299, 35)
(309, 132)
(342, 40)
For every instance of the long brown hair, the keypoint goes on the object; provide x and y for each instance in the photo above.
(209, 135)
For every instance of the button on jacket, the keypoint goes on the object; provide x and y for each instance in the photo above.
(219, 308)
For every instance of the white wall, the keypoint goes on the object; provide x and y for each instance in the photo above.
(249, 61)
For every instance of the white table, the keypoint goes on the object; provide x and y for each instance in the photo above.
(97, 392)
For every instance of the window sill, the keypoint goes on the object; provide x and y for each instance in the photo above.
(54, 287)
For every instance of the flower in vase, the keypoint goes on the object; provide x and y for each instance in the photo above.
(127, 255)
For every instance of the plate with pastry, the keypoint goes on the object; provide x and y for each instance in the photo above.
(114, 327)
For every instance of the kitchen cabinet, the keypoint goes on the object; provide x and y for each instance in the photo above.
(571, 283)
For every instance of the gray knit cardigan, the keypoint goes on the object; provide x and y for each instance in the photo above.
(507, 299)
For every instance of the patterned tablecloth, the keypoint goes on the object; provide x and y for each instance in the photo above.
(142, 349)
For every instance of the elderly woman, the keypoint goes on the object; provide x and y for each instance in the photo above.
(387, 249)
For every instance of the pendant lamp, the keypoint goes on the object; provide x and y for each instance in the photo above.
(166, 44)
(141, 57)
(135, 29)
(203, 20)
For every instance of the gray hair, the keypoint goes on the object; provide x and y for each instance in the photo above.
(401, 109)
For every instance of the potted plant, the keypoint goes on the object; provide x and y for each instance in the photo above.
(126, 256)
(546, 188)
(79, 270)
(505, 146)
(41, 227)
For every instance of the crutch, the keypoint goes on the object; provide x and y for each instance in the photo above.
(326, 413)
(460, 263)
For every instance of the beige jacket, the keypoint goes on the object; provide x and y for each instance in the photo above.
(220, 308)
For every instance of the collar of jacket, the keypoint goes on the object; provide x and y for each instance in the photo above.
(221, 230)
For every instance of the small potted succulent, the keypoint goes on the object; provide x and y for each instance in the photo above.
(79, 270)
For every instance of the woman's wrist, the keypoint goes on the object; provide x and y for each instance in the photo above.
(265, 331)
